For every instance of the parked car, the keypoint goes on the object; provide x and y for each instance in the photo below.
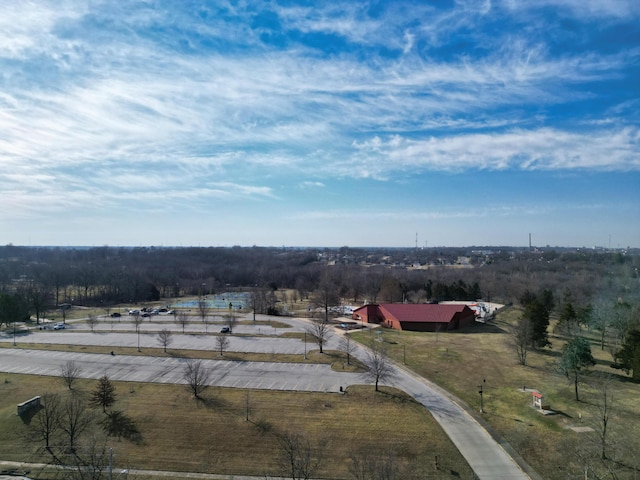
(115, 315)
(59, 326)
(134, 312)
(225, 330)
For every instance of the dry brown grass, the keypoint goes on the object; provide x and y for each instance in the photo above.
(460, 361)
(183, 434)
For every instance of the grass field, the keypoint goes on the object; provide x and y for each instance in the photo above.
(183, 434)
(461, 361)
(457, 361)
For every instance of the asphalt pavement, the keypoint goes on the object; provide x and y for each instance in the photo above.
(310, 377)
(486, 456)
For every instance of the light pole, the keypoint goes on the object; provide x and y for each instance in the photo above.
(404, 353)
(481, 391)
(14, 333)
(305, 345)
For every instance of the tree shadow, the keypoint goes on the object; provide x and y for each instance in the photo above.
(172, 354)
(547, 353)
(478, 328)
(402, 398)
(212, 402)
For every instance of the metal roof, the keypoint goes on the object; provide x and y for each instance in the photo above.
(422, 312)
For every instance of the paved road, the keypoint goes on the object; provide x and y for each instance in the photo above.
(485, 456)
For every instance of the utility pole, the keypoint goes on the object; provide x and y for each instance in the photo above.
(110, 463)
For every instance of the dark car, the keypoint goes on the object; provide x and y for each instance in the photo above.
(225, 330)
(115, 315)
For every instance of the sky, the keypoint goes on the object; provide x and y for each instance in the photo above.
(320, 123)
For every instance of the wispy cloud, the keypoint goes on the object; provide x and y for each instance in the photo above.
(541, 149)
(413, 216)
(108, 100)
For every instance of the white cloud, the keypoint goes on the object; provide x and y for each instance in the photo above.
(591, 9)
(311, 185)
(162, 105)
(542, 149)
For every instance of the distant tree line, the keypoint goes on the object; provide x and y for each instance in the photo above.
(36, 279)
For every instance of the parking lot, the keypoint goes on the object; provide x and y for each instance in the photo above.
(254, 375)
(487, 458)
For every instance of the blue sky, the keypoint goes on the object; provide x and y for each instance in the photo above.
(313, 123)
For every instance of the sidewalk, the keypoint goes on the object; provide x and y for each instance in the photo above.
(484, 454)
(122, 474)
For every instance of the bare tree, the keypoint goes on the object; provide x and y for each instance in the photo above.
(196, 377)
(231, 319)
(39, 297)
(165, 338)
(92, 321)
(319, 330)
(298, 458)
(91, 462)
(347, 347)
(74, 419)
(182, 318)
(604, 409)
(47, 420)
(137, 321)
(203, 311)
(70, 372)
(222, 343)
(326, 296)
(377, 363)
(521, 339)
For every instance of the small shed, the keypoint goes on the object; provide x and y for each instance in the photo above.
(538, 401)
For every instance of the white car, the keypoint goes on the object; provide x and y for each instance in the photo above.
(59, 326)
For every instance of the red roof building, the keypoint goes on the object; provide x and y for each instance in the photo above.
(417, 317)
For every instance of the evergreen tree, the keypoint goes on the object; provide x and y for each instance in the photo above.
(104, 395)
(538, 315)
(629, 356)
(576, 355)
(568, 320)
